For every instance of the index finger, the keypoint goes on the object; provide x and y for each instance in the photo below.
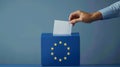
(72, 15)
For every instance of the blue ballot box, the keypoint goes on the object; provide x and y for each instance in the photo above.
(60, 50)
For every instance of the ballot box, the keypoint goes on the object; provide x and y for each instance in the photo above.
(60, 50)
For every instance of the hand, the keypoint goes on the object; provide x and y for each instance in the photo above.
(80, 16)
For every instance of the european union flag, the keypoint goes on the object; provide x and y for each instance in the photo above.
(60, 50)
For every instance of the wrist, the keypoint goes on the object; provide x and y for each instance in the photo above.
(96, 16)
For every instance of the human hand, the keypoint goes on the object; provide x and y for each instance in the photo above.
(81, 16)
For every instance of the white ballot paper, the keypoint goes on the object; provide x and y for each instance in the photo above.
(62, 28)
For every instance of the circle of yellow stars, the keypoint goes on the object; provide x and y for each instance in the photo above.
(55, 57)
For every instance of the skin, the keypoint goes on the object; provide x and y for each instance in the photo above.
(81, 16)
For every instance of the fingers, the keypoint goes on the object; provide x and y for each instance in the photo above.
(70, 16)
(73, 15)
(75, 20)
(79, 16)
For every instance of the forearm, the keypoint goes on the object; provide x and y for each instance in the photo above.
(111, 11)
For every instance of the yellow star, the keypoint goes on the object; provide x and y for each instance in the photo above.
(55, 44)
(52, 48)
(60, 60)
(68, 53)
(60, 42)
(65, 58)
(68, 48)
(55, 58)
(52, 53)
(65, 44)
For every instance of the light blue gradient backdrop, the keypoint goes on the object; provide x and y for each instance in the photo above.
(23, 21)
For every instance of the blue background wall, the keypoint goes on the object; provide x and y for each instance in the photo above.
(23, 21)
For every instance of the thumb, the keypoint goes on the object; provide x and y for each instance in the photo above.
(75, 21)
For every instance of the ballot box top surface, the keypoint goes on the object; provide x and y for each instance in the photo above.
(51, 34)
